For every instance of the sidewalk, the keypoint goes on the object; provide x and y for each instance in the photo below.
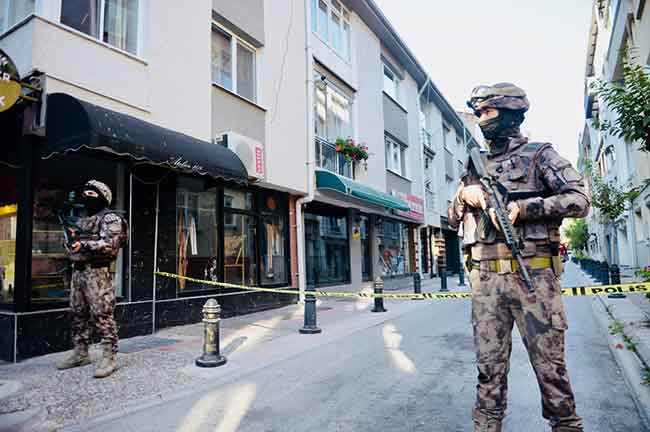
(623, 318)
(159, 365)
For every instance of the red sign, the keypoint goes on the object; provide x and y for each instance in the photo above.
(259, 163)
(416, 207)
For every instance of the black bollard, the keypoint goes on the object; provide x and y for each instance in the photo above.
(615, 274)
(417, 285)
(604, 273)
(211, 356)
(310, 325)
(378, 286)
(443, 279)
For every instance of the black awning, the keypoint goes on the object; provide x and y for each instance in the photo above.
(72, 125)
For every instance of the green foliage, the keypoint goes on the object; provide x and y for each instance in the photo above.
(351, 150)
(609, 198)
(631, 102)
(616, 327)
(577, 234)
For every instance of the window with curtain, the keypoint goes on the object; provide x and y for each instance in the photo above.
(245, 72)
(233, 64)
(121, 24)
(118, 25)
(221, 59)
(197, 233)
(13, 11)
(333, 113)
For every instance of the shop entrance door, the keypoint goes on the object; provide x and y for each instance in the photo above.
(452, 252)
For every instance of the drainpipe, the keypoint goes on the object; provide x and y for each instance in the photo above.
(311, 156)
(418, 237)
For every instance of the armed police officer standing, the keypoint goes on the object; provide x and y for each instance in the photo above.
(537, 189)
(95, 245)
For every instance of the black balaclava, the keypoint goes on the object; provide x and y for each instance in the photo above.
(94, 204)
(498, 130)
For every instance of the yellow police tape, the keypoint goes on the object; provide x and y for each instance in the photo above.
(569, 292)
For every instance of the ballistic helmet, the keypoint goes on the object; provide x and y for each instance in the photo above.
(499, 96)
(101, 188)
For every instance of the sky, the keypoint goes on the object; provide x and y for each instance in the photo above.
(538, 45)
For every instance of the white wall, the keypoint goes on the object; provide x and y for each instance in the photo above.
(283, 93)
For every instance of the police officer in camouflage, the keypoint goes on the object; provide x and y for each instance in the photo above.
(540, 188)
(96, 245)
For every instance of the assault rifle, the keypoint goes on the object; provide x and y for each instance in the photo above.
(69, 220)
(495, 202)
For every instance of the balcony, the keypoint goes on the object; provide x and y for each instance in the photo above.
(426, 138)
(328, 158)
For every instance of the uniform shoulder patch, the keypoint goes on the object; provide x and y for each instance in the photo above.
(111, 218)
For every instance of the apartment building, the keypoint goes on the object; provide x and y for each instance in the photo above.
(615, 26)
(215, 125)
(170, 106)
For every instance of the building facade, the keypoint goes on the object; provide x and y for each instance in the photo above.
(216, 126)
(616, 26)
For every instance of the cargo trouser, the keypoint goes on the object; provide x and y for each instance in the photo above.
(92, 299)
(498, 301)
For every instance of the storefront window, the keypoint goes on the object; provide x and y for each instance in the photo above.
(240, 256)
(59, 181)
(393, 248)
(273, 239)
(8, 210)
(197, 233)
(327, 249)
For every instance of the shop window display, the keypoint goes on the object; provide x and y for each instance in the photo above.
(273, 237)
(58, 189)
(327, 249)
(393, 248)
(197, 233)
(8, 222)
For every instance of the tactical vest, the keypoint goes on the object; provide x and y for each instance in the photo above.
(90, 227)
(518, 173)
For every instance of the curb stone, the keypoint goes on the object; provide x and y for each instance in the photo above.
(627, 361)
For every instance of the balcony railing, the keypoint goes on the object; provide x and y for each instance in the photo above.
(426, 137)
(328, 158)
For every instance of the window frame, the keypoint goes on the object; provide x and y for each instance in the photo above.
(236, 41)
(140, 42)
(395, 79)
(343, 15)
(399, 149)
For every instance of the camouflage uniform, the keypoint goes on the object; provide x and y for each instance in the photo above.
(92, 292)
(547, 189)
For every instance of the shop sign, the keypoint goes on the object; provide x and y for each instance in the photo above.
(416, 206)
(9, 82)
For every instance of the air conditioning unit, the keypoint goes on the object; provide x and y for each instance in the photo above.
(250, 151)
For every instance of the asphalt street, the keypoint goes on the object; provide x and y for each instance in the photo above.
(410, 371)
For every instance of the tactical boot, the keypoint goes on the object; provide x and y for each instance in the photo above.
(77, 358)
(108, 363)
(484, 423)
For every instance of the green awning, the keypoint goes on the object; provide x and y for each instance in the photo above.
(329, 180)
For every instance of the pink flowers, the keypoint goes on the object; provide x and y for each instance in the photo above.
(351, 150)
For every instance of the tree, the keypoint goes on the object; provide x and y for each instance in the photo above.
(631, 102)
(577, 234)
(609, 198)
